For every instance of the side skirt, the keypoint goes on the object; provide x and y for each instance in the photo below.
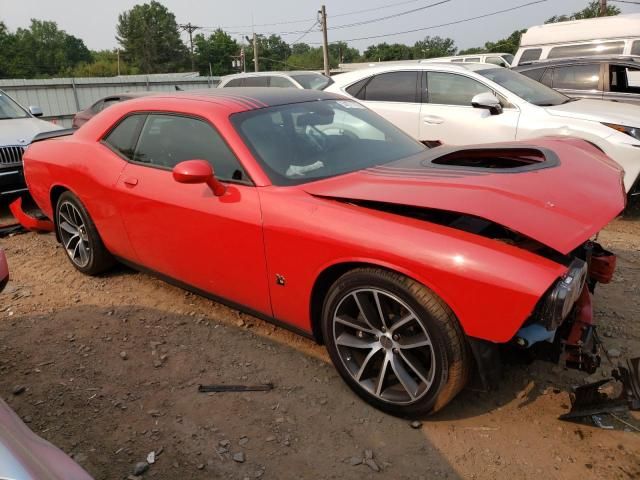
(221, 300)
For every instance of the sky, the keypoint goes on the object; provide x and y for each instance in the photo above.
(94, 21)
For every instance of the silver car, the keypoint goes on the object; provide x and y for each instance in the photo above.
(18, 126)
(290, 79)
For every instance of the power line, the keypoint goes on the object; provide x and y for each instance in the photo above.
(497, 12)
(380, 19)
(304, 34)
(285, 63)
(355, 24)
(188, 27)
(353, 12)
(304, 20)
(626, 1)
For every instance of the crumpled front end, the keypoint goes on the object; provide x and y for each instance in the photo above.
(564, 315)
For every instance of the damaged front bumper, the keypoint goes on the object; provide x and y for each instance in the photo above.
(564, 316)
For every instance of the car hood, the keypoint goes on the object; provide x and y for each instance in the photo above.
(20, 131)
(25, 456)
(599, 111)
(572, 193)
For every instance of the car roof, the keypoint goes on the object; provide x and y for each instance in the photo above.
(631, 60)
(237, 99)
(287, 73)
(361, 73)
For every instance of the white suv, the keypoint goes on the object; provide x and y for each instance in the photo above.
(445, 103)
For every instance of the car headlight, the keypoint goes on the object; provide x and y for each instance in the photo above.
(565, 293)
(631, 131)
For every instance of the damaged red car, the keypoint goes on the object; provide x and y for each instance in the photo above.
(412, 265)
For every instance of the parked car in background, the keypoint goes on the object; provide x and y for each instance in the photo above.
(18, 125)
(457, 104)
(500, 59)
(24, 455)
(306, 208)
(602, 78)
(615, 35)
(88, 113)
(294, 79)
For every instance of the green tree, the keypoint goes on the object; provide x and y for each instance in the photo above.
(104, 64)
(43, 50)
(311, 59)
(505, 45)
(150, 38)
(383, 52)
(432, 47)
(217, 50)
(273, 53)
(592, 10)
(7, 53)
(340, 52)
(300, 48)
(472, 51)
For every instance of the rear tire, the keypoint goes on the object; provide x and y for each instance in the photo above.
(79, 236)
(394, 342)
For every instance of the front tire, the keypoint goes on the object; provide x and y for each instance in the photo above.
(394, 342)
(79, 236)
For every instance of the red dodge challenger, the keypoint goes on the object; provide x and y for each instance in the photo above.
(412, 265)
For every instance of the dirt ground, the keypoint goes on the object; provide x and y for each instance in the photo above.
(111, 367)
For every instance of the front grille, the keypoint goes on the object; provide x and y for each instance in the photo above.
(11, 155)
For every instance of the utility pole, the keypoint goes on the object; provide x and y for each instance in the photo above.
(242, 60)
(255, 52)
(603, 8)
(325, 44)
(118, 53)
(190, 28)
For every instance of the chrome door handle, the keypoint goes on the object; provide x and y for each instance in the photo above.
(432, 119)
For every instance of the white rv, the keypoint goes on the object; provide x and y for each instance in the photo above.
(616, 35)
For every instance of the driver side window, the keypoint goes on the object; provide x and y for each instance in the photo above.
(167, 140)
(452, 89)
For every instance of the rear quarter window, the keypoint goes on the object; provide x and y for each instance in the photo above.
(577, 77)
(534, 73)
(124, 136)
(587, 49)
(236, 82)
(530, 55)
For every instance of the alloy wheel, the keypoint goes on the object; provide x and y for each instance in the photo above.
(73, 233)
(384, 346)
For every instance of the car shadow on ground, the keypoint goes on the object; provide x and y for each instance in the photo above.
(109, 385)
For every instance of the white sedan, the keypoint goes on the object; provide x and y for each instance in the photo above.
(444, 103)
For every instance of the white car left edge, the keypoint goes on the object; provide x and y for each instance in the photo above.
(24, 455)
(474, 103)
(18, 126)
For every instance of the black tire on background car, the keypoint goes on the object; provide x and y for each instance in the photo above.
(394, 342)
(79, 236)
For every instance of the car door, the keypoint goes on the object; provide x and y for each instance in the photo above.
(393, 95)
(447, 116)
(184, 231)
(579, 81)
(622, 83)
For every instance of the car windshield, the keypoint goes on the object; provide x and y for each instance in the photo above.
(311, 81)
(10, 109)
(508, 57)
(524, 87)
(301, 142)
